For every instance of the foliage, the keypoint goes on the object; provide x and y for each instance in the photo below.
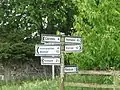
(98, 25)
(35, 85)
(23, 21)
(20, 18)
(15, 53)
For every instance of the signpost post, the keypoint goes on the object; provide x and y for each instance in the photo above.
(53, 72)
(62, 63)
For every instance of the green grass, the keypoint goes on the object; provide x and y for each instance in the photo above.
(54, 84)
(34, 85)
(89, 79)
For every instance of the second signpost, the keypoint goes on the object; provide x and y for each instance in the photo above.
(52, 52)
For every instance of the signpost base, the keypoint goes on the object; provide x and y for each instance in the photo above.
(62, 83)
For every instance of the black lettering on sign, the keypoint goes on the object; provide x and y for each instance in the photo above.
(78, 39)
(57, 60)
(43, 38)
(57, 51)
(58, 48)
(43, 51)
(49, 38)
(42, 60)
(69, 48)
(77, 47)
(46, 48)
(70, 39)
(69, 69)
(48, 60)
(37, 50)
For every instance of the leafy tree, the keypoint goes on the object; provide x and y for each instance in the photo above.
(20, 18)
(22, 22)
(98, 25)
(16, 53)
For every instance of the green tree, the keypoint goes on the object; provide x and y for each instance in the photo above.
(98, 24)
(22, 22)
(20, 18)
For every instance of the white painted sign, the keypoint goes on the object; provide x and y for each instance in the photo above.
(47, 50)
(70, 69)
(73, 48)
(73, 40)
(50, 38)
(50, 61)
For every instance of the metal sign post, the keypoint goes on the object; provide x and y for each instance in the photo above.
(53, 72)
(62, 72)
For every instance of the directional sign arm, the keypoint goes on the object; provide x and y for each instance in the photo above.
(48, 50)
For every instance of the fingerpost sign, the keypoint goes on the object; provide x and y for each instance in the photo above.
(52, 52)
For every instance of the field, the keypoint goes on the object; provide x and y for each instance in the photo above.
(54, 84)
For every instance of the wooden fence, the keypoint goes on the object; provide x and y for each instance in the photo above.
(114, 86)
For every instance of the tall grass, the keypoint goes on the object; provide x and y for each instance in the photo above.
(54, 84)
(34, 85)
(99, 79)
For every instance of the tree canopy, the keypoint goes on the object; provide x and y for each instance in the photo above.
(98, 25)
(21, 18)
(23, 21)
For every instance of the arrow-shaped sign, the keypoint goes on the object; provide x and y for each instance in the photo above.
(70, 69)
(74, 40)
(50, 38)
(48, 50)
(50, 61)
(73, 48)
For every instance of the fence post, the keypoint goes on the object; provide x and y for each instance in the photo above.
(115, 80)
